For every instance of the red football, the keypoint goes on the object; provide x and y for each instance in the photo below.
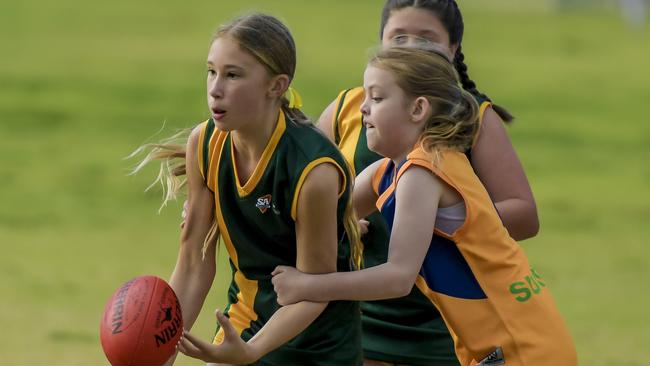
(142, 323)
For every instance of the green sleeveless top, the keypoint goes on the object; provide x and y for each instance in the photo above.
(257, 224)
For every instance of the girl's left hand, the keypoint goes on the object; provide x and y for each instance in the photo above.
(232, 350)
(287, 284)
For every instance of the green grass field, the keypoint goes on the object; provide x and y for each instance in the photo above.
(82, 84)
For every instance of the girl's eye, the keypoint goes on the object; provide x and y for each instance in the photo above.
(424, 40)
(400, 39)
(376, 99)
(232, 75)
(210, 72)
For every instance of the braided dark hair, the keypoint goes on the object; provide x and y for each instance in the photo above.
(450, 16)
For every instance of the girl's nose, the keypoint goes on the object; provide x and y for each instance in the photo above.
(215, 88)
(365, 110)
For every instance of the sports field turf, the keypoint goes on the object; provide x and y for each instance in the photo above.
(84, 83)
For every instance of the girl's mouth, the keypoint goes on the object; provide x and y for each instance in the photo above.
(218, 113)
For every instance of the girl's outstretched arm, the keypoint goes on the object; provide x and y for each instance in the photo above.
(495, 161)
(194, 273)
(415, 215)
(316, 233)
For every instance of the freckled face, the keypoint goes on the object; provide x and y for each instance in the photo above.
(236, 85)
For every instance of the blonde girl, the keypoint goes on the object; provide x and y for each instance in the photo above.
(446, 236)
(278, 193)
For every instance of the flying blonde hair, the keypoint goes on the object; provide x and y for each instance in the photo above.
(270, 42)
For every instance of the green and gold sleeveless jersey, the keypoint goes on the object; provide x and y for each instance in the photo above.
(407, 330)
(257, 224)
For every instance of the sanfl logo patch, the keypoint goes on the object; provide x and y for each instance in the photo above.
(264, 203)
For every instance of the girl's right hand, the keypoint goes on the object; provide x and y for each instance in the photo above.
(233, 349)
(287, 283)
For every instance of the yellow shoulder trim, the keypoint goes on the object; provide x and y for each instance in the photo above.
(335, 115)
(450, 162)
(420, 158)
(376, 176)
(223, 230)
(376, 180)
(303, 176)
(384, 196)
(350, 124)
(216, 146)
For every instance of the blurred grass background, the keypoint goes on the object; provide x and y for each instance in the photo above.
(82, 84)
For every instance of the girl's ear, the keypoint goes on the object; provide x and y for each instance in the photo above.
(278, 85)
(420, 110)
